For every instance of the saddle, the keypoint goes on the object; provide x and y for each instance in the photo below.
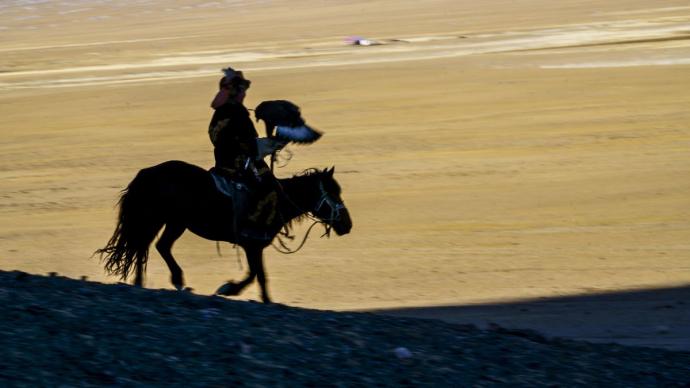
(251, 208)
(228, 187)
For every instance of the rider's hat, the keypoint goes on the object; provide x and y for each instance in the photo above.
(230, 85)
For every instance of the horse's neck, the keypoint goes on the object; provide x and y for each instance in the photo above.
(300, 193)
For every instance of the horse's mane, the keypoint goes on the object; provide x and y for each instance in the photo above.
(309, 173)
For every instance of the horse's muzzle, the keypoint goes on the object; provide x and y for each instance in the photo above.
(343, 224)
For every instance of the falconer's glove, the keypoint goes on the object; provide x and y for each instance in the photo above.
(266, 146)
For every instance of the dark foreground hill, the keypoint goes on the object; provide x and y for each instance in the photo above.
(57, 331)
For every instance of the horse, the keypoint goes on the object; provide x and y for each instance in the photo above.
(180, 196)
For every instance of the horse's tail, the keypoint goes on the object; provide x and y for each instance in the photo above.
(138, 224)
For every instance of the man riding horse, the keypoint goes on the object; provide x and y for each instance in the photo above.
(239, 154)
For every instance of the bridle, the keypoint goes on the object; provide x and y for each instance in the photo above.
(335, 206)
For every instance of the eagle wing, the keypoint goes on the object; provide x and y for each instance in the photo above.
(287, 120)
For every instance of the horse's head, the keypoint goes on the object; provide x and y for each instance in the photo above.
(329, 207)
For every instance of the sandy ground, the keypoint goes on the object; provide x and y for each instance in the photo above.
(488, 153)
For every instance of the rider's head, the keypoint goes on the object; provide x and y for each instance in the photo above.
(232, 87)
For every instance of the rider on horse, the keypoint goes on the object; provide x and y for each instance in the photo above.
(239, 154)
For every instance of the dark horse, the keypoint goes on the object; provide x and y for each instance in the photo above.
(182, 196)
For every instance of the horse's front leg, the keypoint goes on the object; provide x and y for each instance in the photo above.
(231, 288)
(256, 260)
(256, 270)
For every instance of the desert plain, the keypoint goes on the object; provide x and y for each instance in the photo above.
(489, 152)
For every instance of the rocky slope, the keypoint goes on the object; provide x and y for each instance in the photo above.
(58, 331)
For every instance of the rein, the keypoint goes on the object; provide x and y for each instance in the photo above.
(283, 248)
(335, 215)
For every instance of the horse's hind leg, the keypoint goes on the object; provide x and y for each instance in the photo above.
(164, 246)
(139, 271)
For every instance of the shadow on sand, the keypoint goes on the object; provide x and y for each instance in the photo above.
(647, 317)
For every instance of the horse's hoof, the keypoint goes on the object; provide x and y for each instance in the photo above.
(177, 281)
(228, 289)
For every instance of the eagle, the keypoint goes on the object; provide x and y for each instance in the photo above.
(286, 119)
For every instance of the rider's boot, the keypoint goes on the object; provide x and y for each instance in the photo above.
(252, 225)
